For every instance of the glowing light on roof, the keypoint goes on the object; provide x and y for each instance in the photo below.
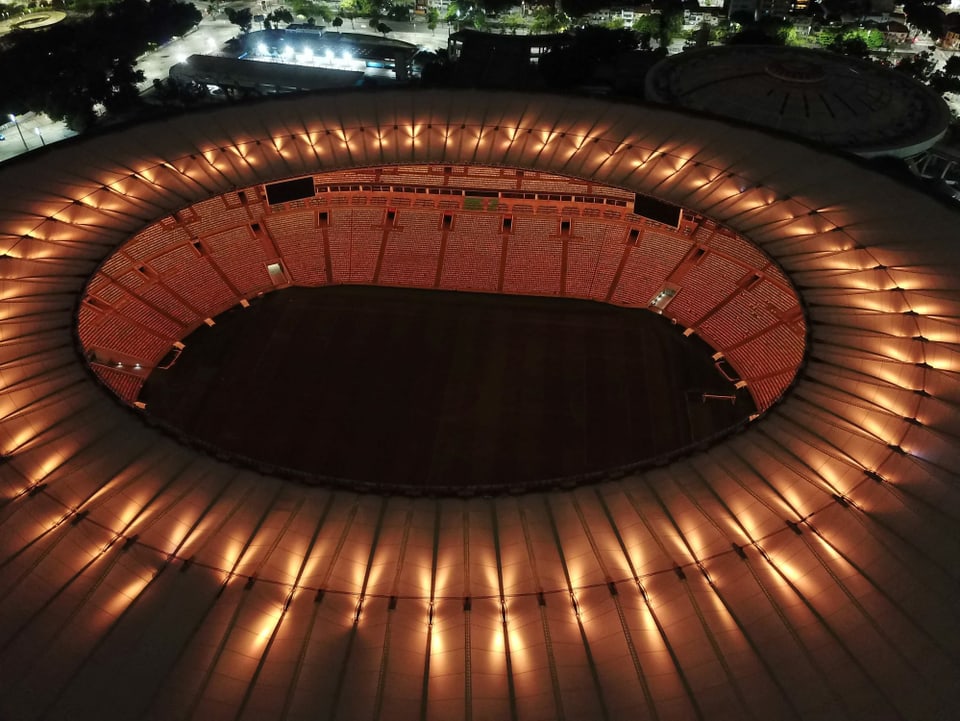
(760, 634)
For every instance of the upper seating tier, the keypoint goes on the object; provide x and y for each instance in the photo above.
(418, 227)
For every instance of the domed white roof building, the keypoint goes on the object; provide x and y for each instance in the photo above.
(803, 567)
(838, 101)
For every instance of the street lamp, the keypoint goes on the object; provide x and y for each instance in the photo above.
(13, 119)
(40, 135)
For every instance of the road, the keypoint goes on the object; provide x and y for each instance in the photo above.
(207, 38)
(49, 132)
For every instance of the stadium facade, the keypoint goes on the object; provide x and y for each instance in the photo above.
(805, 567)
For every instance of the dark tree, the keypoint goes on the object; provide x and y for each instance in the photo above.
(753, 35)
(947, 79)
(919, 66)
(574, 62)
(242, 18)
(854, 46)
(69, 69)
(398, 12)
(926, 17)
(579, 8)
(281, 15)
(495, 7)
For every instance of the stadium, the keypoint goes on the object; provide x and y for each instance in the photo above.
(838, 101)
(800, 565)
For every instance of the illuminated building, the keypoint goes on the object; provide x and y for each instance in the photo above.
(805, 567)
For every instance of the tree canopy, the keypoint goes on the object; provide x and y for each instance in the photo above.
(765, 31)
(242, 18)
(923, 67)
(281, 15)
(311, 9)
(573, 62)
(926, 17)
(68, 69)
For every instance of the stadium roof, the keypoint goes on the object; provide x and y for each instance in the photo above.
(845, 103)
(237, 73)
(804, 568)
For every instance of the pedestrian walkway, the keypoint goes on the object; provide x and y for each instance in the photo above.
(30, 132)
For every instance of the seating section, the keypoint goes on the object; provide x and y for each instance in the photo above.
(137, 310)
(637, 284)
(483, 170)
(202, 285)
(533, 257)
(704, 287)
(126, 385)
(154, 239)
(241, 258)
(105, 289)
(736, 321)
(355, 236)
(553, 186)
(766, 390)
(126, 276)
(165, 281)
(300, 243)
(89, 320)
(778, 348)
(254, 202)
(734, 247)
(411, 251)
(397, 176)
(471, 260)
(649, 264)
(591, 242)
(361, 175)
(110, 334)
(611, 254)
(212, 215)
(481, 182)
(774, 294)
(170, 302)
(173, 259)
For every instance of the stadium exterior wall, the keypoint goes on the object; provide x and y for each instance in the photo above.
(805, 568)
